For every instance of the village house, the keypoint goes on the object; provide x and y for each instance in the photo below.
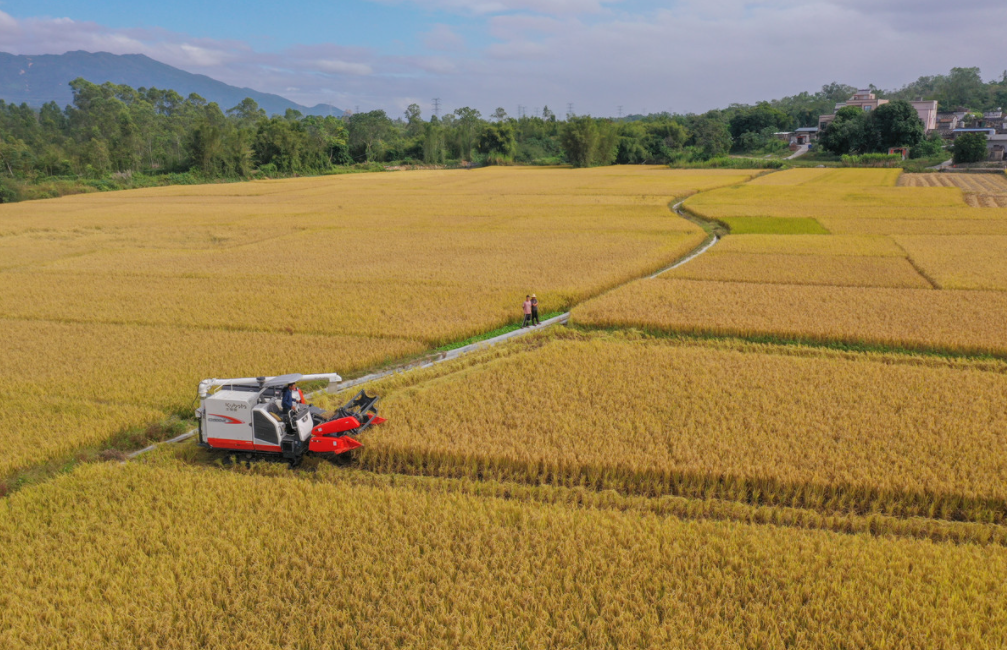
(867, 101)
(947, 123)
(996, 143)
(800, 137)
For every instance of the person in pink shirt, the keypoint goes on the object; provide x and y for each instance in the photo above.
(527, 312)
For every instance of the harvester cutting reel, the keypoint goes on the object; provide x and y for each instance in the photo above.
(245, 415)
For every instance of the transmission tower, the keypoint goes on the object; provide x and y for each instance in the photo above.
(569, 108)
(437, 106)
(520, 111)
(620, 112)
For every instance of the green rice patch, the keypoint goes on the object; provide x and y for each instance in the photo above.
(774, 226)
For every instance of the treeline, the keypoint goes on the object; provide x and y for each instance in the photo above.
(112, 132)
(961, 89)
(115, 130)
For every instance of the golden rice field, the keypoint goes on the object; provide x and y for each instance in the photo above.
(980, 190)
(966, 322)
(850, 202)
(751, 423)
(570, 490)
(903, 265)
(835, 270)
(120, 556)
(120, 302)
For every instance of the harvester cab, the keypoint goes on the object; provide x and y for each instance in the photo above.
(245, 415)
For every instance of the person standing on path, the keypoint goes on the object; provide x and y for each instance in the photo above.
(534, 311)
(527, 312)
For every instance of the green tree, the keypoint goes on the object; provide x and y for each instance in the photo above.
(587, 141)
(711, 136)
(931, 147)
(414, 120)
(756, 119)
(467, 131)
(962, 87)
(328, 142)
(247, 112)
(969, 148)
(433, 142)
(632, 148)
(498, 143)
(207, 142)
(579, 138)
(847, 133)
(368, 134)
(282, 144)
(895, 124)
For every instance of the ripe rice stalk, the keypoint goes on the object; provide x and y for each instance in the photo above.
(100, 557)
(830, 434)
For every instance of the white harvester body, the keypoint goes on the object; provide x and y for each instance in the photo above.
(246, 415)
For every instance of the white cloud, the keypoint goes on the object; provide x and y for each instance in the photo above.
(443, 38)
(521, 25)
(691, 55)
(486, 7)
(202, 56)
(343, 67)
(527, 50)
(433, 64)
(7, 23)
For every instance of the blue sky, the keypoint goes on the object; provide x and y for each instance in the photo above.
(369, 24)
(599, 55)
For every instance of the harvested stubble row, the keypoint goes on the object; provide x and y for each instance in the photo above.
(132, 297)
(981, 190)
(754, 425)
(101, 558)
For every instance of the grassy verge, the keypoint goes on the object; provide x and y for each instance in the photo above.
(485, 336)
(15, 189)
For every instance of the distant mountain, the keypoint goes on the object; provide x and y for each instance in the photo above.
(38, 79)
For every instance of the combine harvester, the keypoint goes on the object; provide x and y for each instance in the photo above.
(245, 415)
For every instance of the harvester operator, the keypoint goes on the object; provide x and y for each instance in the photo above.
(290, 396)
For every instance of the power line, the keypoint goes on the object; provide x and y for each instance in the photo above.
(437, 106)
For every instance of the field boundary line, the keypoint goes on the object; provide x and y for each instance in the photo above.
(450, 355)
(705, 246)
(916, 267)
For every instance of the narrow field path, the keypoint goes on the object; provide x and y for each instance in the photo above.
(450, 355)
(801, 150)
